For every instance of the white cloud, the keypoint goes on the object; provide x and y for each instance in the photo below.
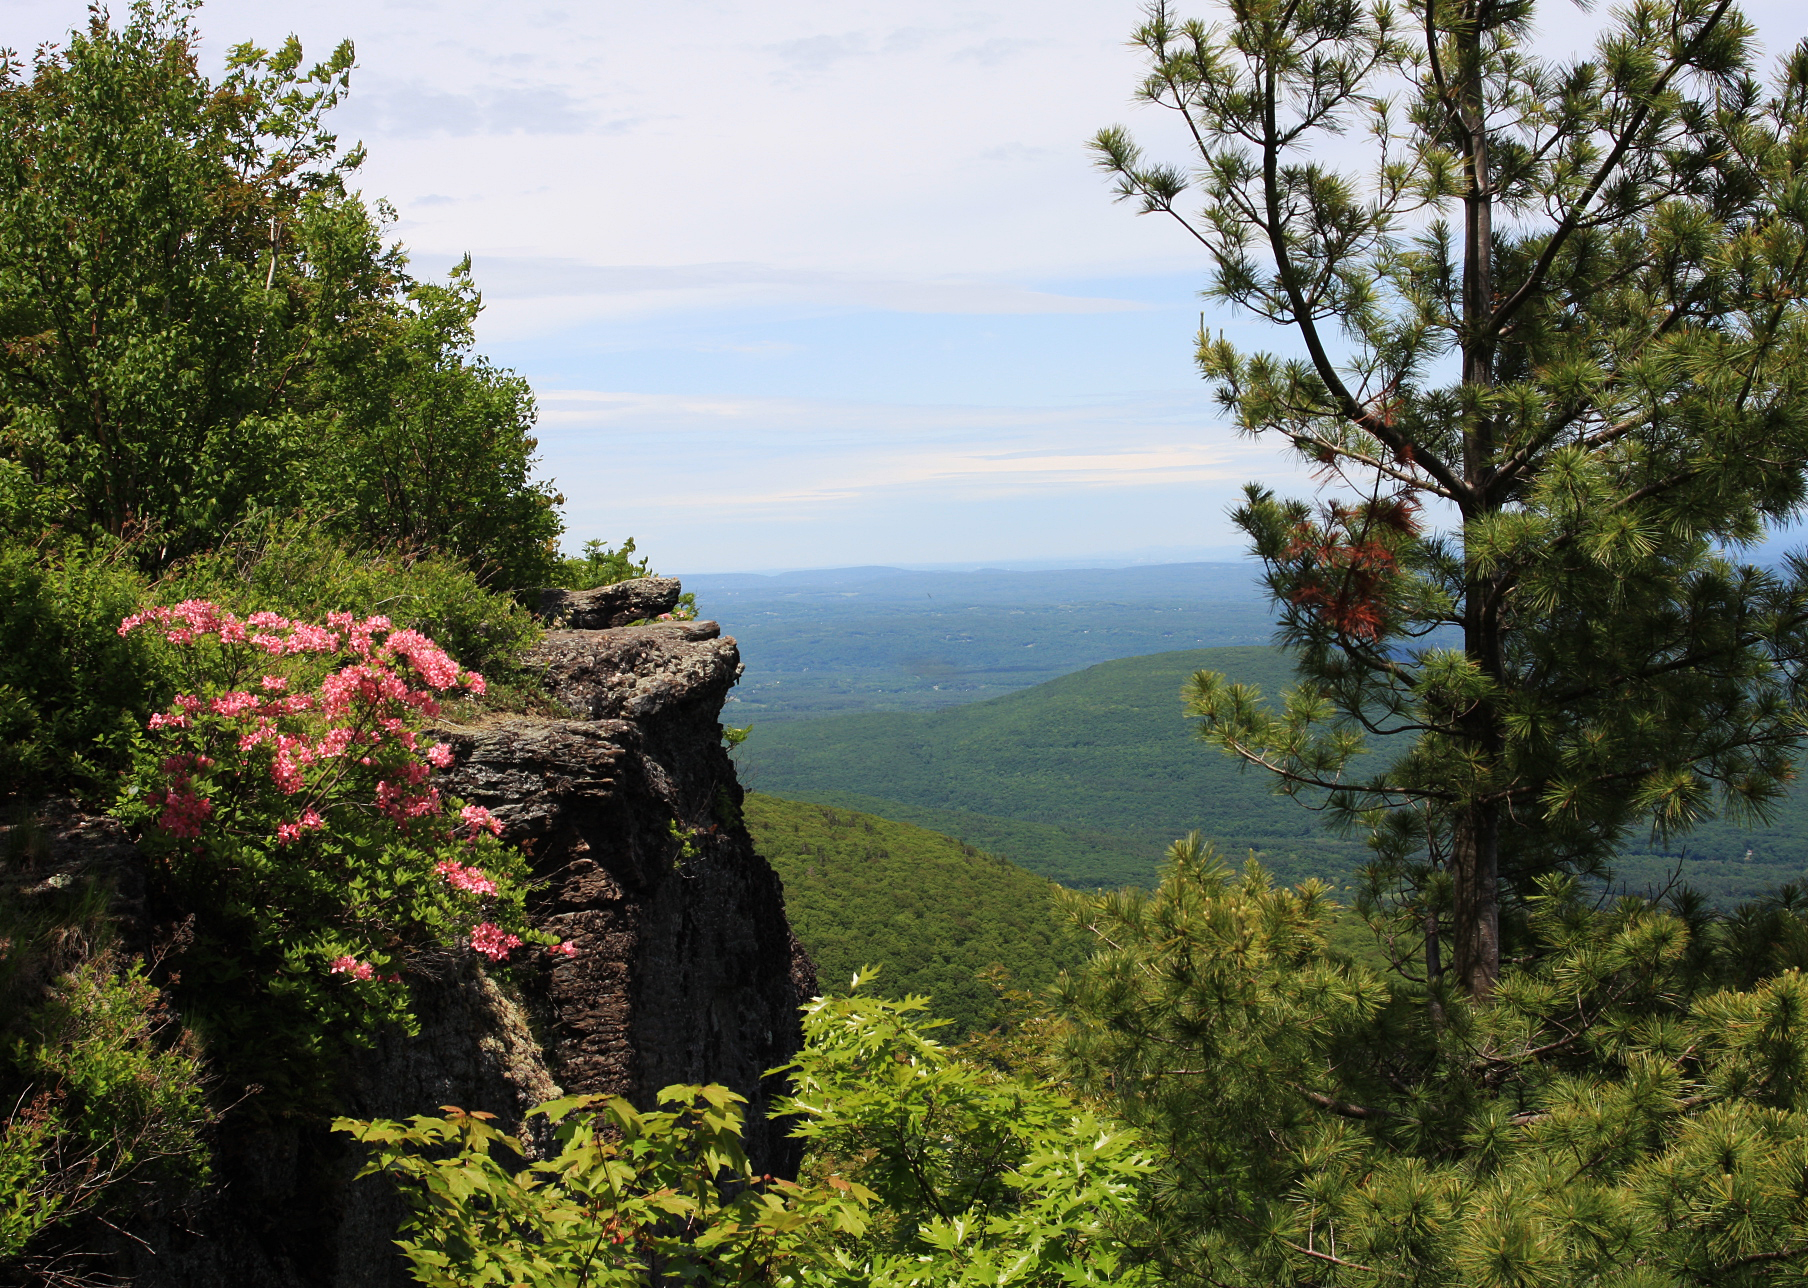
(752, 456)
(619, 161)
(735, 483)
(527, 297)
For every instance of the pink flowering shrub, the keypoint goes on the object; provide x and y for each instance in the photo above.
(493, 941)
(289, 799)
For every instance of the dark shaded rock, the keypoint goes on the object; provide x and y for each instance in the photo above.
(687, 970)
(606, 606)
(287, 1213)
(62, 844)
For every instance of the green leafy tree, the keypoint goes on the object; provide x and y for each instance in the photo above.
(1550, 335)
(957, 1173)
(438, 453)
(199, 319)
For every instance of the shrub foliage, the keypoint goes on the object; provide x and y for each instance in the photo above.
(288, 806)
(955, 1173)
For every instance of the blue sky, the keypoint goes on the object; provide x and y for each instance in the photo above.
(809, 284)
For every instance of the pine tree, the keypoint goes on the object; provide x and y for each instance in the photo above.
(1550, 348)
(1612, 1114)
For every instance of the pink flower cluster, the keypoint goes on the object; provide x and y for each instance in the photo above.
(566, 949)
(401, 803)
(351, 966)
(289, 833)
(362, 705)
(183, 811)
(479, 819)
(359, 970)
(493, 941)
(347, 745)
(460, 877)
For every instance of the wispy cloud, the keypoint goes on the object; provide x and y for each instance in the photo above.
(418, 111)
(766, 482)
(528, 296)
(751, 455)
(825, 50)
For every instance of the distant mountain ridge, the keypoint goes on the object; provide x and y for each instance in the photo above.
(865, 639)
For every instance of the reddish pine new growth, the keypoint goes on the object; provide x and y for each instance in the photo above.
(1346, 568)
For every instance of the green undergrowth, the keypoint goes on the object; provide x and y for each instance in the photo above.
(73, 692)
(287, 567)
(105, 1092)
(600, 565)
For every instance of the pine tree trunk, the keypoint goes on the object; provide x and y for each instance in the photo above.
(1475, 877)
(1475, 857)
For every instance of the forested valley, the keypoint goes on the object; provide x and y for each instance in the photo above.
(1360, 948)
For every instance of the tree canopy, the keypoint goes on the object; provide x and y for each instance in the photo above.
(1550, 342)
(199, 318)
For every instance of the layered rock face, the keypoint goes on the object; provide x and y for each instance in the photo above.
(686, 970)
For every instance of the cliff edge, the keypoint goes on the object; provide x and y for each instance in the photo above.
(686, 969)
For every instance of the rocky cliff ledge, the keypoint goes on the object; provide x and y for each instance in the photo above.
(686, 972)
(686, 969)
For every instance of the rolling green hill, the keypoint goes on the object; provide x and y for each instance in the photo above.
(863, 891)
(1085, 779)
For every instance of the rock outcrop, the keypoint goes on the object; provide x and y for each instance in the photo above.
(686, 968)
(622, 604)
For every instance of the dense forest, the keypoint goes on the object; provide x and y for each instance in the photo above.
(934, 915)
(270, 530)
(1085, 779)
